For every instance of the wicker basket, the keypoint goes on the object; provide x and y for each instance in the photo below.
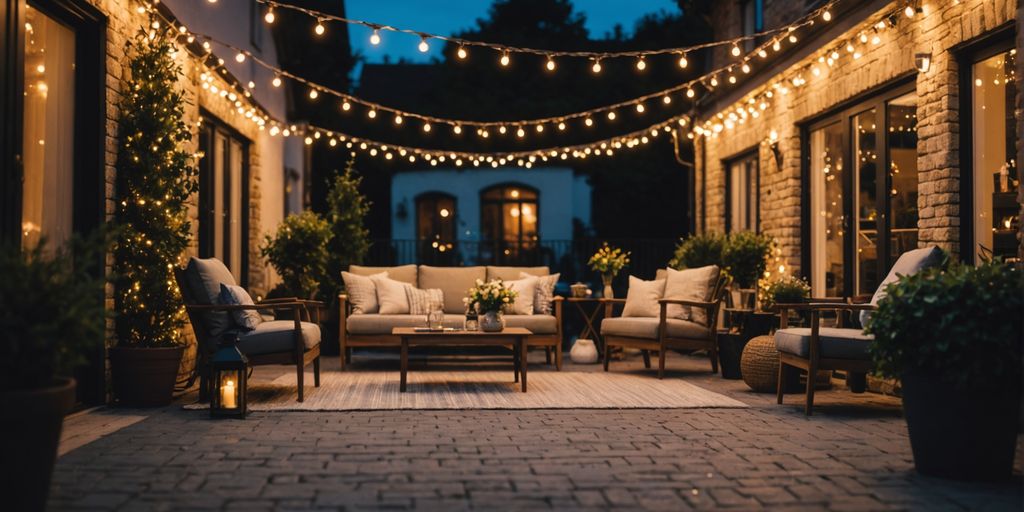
(760, 364)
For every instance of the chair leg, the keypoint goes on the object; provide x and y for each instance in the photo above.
(344, 355)
(547, 355)
(316, 371)
(558, 356)
(607, 355)
(713, 354)
(779, 384)
(647, 359)
(811, 374)
(300, 374)
(661, 363)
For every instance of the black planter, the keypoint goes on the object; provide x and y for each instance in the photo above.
(29, 433)
(730, 348)
(144, 377)
(960, 434)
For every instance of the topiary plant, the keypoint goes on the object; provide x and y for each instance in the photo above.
(746, 256)
(698, 250)
(961, 324)
(298, 252)
(785, 290)
(347, 209)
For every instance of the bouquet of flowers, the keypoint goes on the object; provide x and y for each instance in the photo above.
(785, 290)
(491, 296)
(608, 261)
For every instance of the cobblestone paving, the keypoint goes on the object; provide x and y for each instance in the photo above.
(852, 455)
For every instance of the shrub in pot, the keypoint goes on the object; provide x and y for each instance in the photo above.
(953, 336)
(51, 315)
(699, 250)
(745, 257)
(298, 252)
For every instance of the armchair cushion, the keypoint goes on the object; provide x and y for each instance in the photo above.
(694, 284)
(638, 327)
(453, 282)
(910, 262)
(204, 277)
(247, 319)
(403, 273)
(836, 343)
(362, 292)
(537, 324)
(642, 297)
(277, 336)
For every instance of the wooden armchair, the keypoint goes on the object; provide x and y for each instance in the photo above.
(294, 341)
(663, 333)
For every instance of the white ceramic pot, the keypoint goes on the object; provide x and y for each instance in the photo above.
(492, 321)
(583, 352)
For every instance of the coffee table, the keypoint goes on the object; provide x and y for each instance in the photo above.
(515, 336)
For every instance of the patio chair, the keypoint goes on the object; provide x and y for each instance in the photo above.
(663, 333)
(837, 348)
(293, 341)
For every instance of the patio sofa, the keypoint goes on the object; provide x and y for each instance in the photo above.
(358, 329)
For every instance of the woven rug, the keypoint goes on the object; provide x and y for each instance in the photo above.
(427, 389)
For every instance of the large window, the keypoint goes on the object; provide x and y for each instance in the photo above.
(508, 220)
(995, 214)
(752, 14)
(224, 197)
(862, 182)
(741, 188)
(435, 226)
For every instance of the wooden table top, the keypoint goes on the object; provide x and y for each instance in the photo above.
(508, 331)
(584, 299)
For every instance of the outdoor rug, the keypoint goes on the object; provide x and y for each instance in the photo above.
(484, 389)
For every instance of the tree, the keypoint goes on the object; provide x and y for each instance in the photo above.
(347, 209)
(155, 179)
(298, 252)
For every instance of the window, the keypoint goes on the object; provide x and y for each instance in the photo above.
(224, 197)
(995, 215)
(741, 189)
(752, 18)
(862, 182)
(508, 220)
(435, 225)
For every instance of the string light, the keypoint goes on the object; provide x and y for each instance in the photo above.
(611, 115)
(240, 57)
(313, 94)
(504, 59)
(827, 15)
(426, 127)
(461, 52)
(375, 37)
(596, 68)
(641, 64)
(423, 46)
(269, 16)
(683, 62)
(319, 29)
(735, 51)
(550, 64)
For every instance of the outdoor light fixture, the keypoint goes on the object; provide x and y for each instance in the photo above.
(229, 370)
(923, 62)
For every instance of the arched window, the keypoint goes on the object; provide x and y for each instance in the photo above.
(435, 225)
(509, 219)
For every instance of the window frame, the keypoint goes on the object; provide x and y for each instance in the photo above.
(520, 244)
(749, 155)
(211, 127)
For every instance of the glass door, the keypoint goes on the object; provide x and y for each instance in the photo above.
(828, 217)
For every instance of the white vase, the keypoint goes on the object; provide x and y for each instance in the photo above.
(583, 352)
(492, 321)
(608, 292)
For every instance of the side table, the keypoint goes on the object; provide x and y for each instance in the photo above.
(590, 310)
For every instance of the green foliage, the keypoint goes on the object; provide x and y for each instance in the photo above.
(298, 252)
(699, 250)
(51, 310)
(155, 179)
(785, 290)
(746, 255)
(962, 324)
(347, 209)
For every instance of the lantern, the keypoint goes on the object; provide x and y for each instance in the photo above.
(229, 369)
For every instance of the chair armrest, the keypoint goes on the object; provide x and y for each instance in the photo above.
(612, 301)
(241, 307)
(818, 306)
(684, 302)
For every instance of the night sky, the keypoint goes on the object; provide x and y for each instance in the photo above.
(447, 16)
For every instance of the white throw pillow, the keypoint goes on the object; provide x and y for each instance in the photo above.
(643, 296)
(545, 292)
(392, 296)
(690, 284)
(524, 302)
(421, 302)
(362, 292)
(247, 319)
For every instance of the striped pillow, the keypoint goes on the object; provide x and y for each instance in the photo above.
(421, 302)
(545, 292)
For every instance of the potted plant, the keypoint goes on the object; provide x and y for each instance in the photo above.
(608, 261)
(699, 250)
(156, 179)
(298, 252)
(51, 315)
(784, 289)
(349, 243)
(745, 257)
(490, 299)
(953, 336)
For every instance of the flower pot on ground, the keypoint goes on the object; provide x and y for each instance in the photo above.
(583, 351)
(954, 337)
(51, 314)
(144, 377)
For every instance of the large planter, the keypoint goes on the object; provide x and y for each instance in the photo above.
(144, 377)
(960, 434)
(29, 434)
(730, 349)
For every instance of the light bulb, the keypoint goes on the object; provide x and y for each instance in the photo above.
(346, 106)
(520, 132)
(276, 82)
(505, 59)
(540, 128)
(561, 126)
(240, 57)
(776, 45)
(398, 119)
(735, 51)
(641, 64)
(502, 130)
(457, 129)
(424, 47)
(745, 67)
(426, 127)
(611, 115)
(714, 82)
(761, 53)
(551, 64)
(640, 108)
(909, 11)
(375, 37)
(683, 62)
(371, 114)
(667, 99)
(792, 39)
(319, 28)
(589, 122)
(827, 15)
(596, 68)
(269, 17)
(690, 93)
(313, 94)
(461, 53)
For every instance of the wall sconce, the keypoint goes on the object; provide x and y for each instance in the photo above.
(923, 62)
(773, 144)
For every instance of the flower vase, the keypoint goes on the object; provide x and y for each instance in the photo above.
(608, 292)
(583, 352)
(492, 321)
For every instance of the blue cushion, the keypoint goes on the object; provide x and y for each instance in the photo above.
(233, 295)
(910, 262)
(835, 343)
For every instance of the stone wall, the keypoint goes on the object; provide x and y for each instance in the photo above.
(943, 25)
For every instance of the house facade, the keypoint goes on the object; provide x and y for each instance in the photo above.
(890, 126)
(64, 72)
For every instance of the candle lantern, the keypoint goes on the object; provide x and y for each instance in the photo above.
(229, 369)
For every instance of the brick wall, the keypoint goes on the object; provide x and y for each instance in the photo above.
(944, 25)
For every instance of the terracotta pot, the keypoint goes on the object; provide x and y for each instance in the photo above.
(144, 377)
(29, 435)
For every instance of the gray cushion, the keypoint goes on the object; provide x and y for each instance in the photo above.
(382, 324)
(836, 343)
(910, 262)
(247, 319)
(404, 273)
(204, 278)
(537, 324)
(512, 273)
(453, 282)
(277, 336)
(642, 327)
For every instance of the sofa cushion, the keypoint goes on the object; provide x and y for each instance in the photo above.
(362, 292)
(642, 298)
(422, 302)
(537, 324)
(836, 343)
(639, 327)
(404, 273)
(382, 324)
(233, 295)
(695, 284)
(512, 273)
(391, 295)
(525, 290)
(545, 292)
(910, 262)
(277, 336)
(204, 277)
(454, 282)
